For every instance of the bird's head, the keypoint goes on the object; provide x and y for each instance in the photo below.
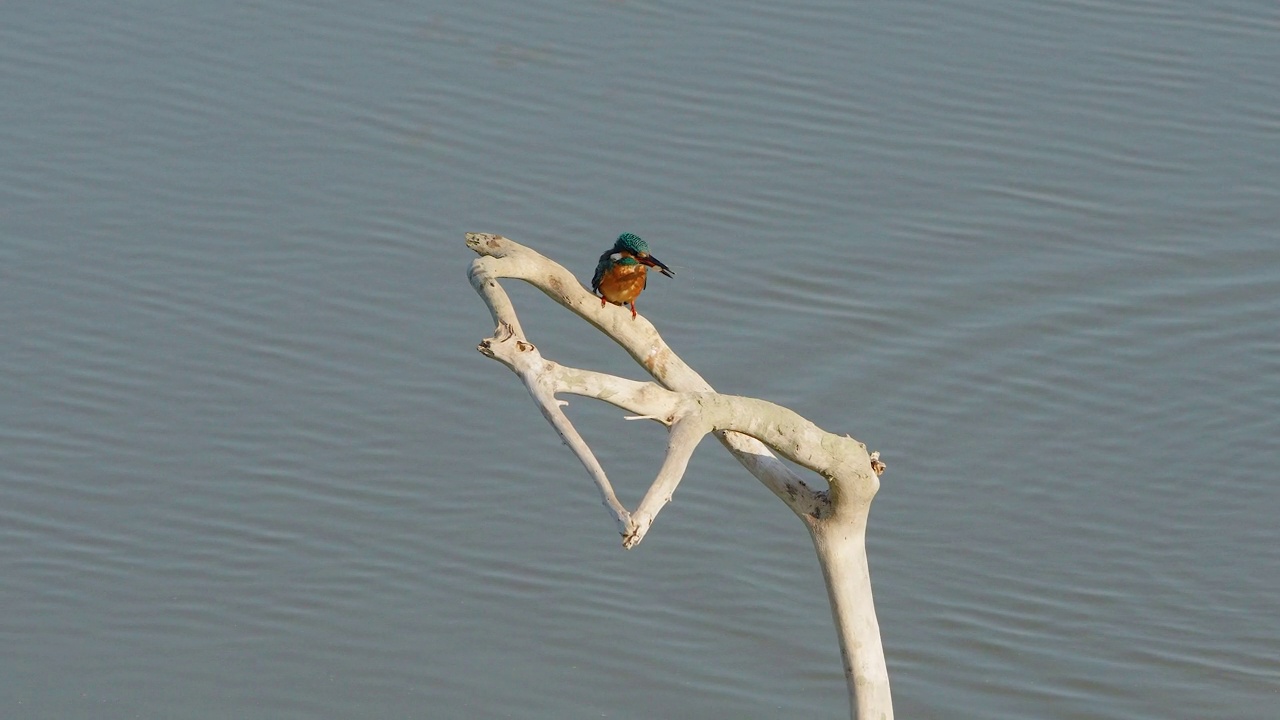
(632, 245)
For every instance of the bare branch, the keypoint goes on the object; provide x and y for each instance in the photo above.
(500, 257)
(527, 363)
(686, 433)
(836, 518)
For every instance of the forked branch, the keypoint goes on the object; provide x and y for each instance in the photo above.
(687, 405)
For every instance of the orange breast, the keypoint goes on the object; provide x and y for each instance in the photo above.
(623, 283)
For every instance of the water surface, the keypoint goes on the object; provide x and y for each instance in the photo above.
(251, 465)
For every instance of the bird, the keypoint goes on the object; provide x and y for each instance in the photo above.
(621, 273)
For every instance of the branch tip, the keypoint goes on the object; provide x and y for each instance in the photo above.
(877, 465)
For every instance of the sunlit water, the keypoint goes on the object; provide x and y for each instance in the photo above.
(251, 465)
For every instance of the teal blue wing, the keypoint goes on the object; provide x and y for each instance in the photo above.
(600, 268)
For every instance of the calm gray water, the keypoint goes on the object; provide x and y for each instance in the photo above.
(252, 466)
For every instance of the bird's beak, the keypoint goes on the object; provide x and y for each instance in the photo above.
(652, 261)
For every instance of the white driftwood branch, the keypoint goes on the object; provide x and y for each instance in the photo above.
(503, 258)
(525, 360)
(836, 518)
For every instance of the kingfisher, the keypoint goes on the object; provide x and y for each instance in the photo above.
(620, 274)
